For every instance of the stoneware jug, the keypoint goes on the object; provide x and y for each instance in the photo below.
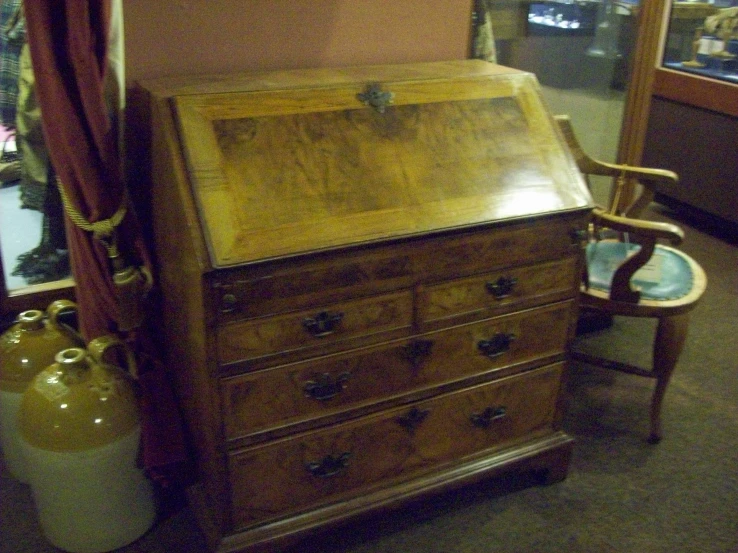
(80, 429)
(26, 348)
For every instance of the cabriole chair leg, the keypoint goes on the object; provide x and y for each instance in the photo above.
(671, 334)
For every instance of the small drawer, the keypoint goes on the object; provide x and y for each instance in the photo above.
(319, 330)
(287, 285)
(359, 456)
(521, 244)
(263, 400)
(499, 291)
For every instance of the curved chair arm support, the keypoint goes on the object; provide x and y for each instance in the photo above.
(645, 230)
(620, 288)
(645, 233)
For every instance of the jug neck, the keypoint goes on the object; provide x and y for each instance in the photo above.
(33, 319)
(73, 365)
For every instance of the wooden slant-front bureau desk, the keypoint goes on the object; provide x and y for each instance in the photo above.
(369, 281)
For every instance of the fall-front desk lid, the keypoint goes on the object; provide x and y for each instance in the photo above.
(337, 158)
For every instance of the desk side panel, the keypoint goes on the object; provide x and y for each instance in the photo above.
(182, 266)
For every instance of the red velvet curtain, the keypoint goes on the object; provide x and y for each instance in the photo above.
(69, 46)
(68, 42)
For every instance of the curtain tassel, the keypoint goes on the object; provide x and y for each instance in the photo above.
(132, 284)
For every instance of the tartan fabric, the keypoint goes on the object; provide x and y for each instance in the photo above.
(12, 37)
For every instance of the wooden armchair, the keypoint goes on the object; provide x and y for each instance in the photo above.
(630, 274)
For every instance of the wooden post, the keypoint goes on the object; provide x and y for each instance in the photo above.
(651, 27)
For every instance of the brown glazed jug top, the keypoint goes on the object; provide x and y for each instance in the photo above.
(80, 402)
(29, 346)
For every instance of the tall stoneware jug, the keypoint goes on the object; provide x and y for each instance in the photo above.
(80, 428)
(26, 348)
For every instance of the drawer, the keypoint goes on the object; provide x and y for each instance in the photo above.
(289, 285)
(286, 395)
(328, 465)
(497, 292)
(318, 330)
(497, 249)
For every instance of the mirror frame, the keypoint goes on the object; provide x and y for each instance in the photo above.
(35, 296)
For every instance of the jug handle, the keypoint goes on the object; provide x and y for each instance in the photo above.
(100, 345)
(58, 307)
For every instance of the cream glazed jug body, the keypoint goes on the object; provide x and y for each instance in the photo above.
(80, 428)
(27, 348)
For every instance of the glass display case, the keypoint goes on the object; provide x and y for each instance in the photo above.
(552, 18)
(693, 108)
(702, 39)
(581, 52)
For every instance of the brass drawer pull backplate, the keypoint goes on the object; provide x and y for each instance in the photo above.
(497, 345)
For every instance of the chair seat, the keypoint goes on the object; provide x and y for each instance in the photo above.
(668, 276)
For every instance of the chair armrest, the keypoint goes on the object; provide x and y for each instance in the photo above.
(645, 176)
(648, 178)
(592, 166)
(647, 230)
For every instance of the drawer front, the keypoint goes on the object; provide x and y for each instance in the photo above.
(288, 285)
(514, 245)
(286, 395)
(304, 471)
(497, 292)
(317, 330)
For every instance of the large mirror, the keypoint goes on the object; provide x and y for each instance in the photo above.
(581, 53)
(34, 256)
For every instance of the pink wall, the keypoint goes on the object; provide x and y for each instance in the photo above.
(181, 37)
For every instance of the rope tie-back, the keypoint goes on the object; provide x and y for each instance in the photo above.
(103, 230)
(132, 283)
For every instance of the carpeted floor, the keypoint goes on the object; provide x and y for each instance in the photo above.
(622, 494)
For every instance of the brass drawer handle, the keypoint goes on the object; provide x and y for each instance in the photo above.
(578, 236)
(418, 351)
(497, 345)
(228, 303)
(325, 387)
(329, 466)
(486, 417)
(375, 97)
(413, 419)
(502, 288)
(323, 324)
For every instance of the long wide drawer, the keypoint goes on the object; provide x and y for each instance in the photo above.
(310, 469)
(262, 400)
